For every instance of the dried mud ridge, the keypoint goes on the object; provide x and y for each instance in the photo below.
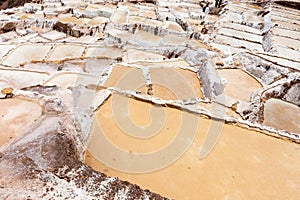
(4, 4)
(82, 44)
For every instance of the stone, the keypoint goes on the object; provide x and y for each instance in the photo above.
(7, 91)
(91, 12)
(62, 27)
(32, 7)
(211, 82)
(293, 94)
(10, 26)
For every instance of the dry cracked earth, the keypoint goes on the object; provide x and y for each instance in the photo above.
(108, 99)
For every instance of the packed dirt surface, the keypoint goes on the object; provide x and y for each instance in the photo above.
(105, 99)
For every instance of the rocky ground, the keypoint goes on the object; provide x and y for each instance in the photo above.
(4, 4)
(64, 63)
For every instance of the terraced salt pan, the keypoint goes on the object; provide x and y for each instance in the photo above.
(227, 48)
(167, 63)
(173, 40)
(175, 84)
(133, 55)
(148, 14)
(282, 61)
(118, 17)
(53, 35)
(4, 49)
(284, 19)
(243, 28)
(96, 67)
(238, 43)
(67, 19)
(251, 17)
(286, 25)
(98, 20)
(241, 35)
(16, 116)
(288, 53)
(282, 115)
(82, 21)
(67, 51)
(287, 42)
(284, 12)
(136, 19)
(286, 33)
(27, 53)
(20, 78)
(39, 39)
(241, 166)
(239, 85)
(154, 23)
(122, 35)
(126, 78)
(172, 26)
(103, 52)
(234, 17)
(69, 79)
(243, 7)
(147, 38)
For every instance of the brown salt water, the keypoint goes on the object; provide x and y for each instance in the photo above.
(244, 164)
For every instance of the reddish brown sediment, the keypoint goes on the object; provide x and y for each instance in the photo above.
(4, 4)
